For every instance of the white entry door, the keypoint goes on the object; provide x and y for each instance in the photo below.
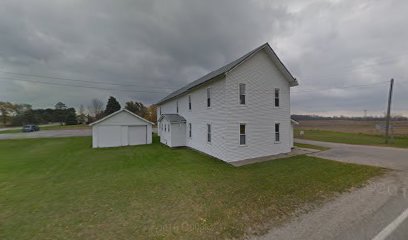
(137, 135)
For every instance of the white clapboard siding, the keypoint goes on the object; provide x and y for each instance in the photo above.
(261, 77)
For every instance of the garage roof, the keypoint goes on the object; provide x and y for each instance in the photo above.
(117, 112)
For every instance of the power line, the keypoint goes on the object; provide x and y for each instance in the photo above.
(166, 92)
(79, 80)
(353, 67)
(78, 86)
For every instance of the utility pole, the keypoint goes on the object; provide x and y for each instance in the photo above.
(387, 123)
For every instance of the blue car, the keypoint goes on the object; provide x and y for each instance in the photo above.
(31, 128)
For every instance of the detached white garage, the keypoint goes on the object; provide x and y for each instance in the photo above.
(121, 128)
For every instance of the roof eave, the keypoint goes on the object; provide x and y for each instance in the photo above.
(215, 78)
(117, 112)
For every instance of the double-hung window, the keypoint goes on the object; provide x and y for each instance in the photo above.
(209, 133)
(208, 97)
(242, 94)
(189, 102)
(242, 134)
(189, 130)
(277, 93)
(165, 127)
(277, 132)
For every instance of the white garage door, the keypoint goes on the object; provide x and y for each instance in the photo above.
(109, 136)
(137, 135)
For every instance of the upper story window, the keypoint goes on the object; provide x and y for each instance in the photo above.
(208, 97)
(242, 93)
(165, 127)
(277, 132)
(177, 106)
(160, 111)
(189, 130)
(189, 102)
(208, 133)
(277, 93)
(242, 134)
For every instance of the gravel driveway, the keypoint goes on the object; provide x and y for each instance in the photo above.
(48, 134)
(388, 157)
(370, 212)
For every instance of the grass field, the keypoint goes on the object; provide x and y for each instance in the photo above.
(400, 128)
(64, 189)
(52, 127)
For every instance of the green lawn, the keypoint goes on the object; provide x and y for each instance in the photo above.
(351, 138)
(63, 189)
(302, 145)
(52, 127)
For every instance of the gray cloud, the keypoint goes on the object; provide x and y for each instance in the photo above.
(162, 45)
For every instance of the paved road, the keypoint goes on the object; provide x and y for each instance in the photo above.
(18, 128)
(377, 211)
(47, 134)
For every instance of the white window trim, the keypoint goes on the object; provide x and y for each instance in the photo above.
(211, 131)
(279, 97)
(274, 133)
(239, 134)
(206, 97)
(239, 94)
(190, 104)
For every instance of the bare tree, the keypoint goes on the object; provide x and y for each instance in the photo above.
(81, 116)
(96, 108)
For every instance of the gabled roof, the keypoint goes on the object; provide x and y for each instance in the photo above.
(230, 66)
(173, 118)
(117, 112)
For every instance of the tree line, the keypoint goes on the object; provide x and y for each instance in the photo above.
(13, 114)
(367, 118)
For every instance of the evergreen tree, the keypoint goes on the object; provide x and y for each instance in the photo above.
(112, 106)
(71, 119)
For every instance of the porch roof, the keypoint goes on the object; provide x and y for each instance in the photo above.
(173, 118)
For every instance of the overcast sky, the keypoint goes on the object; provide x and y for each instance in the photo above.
(142, 50)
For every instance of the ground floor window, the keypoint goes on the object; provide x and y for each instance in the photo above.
(277, 132)
(209, 133)
(242, 134)
(189, 130)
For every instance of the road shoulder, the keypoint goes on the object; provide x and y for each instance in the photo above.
(345, 217)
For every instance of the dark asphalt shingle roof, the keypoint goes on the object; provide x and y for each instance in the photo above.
(173, 118)
(222, 70)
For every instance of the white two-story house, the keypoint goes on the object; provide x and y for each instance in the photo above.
(239, 111)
